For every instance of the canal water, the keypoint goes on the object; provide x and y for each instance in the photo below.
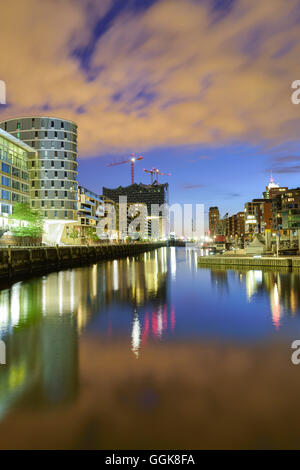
(77, 341)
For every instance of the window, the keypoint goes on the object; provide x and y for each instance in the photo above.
(32, 203)
(55, 213)
(32, 184)
(32, 164)
(56, 193)
(62, 164)
(5, 195)
(52, 163)
(46, 193)
(62, 204)
(43, 203)
(62, 125)
(62, 144)
(18, 125)
(55, 134)
(56, 173)
(5, 181)
(5, 208)
(55, 153)
(15, 172)
(52, 123)
(5, 168)
(19, 135)
(66, 213)
(36, 193)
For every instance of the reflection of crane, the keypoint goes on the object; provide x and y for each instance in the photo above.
(132, 160)
(155, 171)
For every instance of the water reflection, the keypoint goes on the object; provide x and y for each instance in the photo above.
(282, 288)
(41, 320)
(134, 299)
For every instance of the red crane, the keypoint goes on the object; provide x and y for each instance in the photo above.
(132, 160)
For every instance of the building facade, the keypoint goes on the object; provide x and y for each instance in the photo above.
(14, 174)
(53, 168)
(146, 195)
(213, 220)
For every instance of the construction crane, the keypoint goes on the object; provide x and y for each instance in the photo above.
(157, 172)
(132, 161)
(151, 173)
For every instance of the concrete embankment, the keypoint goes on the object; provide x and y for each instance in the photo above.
(248, 262)
(16, 262)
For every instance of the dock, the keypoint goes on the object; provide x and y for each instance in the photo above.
(292, 262)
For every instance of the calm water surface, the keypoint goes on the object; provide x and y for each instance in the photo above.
(158, 297)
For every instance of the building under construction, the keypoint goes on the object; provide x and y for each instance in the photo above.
(146, 194)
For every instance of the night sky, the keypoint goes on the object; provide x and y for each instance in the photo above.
(200, 88)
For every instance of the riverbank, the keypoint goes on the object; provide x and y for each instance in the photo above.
(250, 261)
(16, 262)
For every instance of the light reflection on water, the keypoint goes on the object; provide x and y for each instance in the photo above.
(159, 296)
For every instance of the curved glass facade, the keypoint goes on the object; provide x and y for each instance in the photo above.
(53, 170)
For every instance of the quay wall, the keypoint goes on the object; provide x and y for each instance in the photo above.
(27, 260)
(227, 262)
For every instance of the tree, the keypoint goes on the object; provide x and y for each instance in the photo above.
(74, 234)
(33, 218)
(91, 234)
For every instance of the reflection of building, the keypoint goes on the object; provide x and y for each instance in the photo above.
(14, 175)
(40, 321)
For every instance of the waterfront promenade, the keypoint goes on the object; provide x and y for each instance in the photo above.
(22, 261)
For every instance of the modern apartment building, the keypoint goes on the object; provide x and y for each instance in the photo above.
(89, 204)
(53, 168)
(14, 174)
(290, 202)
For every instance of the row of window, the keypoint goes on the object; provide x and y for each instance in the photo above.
(5, 181)
(42, 123)
(14, 171)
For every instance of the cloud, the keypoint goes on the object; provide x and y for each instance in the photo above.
(176, 73)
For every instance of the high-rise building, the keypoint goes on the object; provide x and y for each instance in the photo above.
(273, 189)
(53, 168)
(214, 220)
(14, 175)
